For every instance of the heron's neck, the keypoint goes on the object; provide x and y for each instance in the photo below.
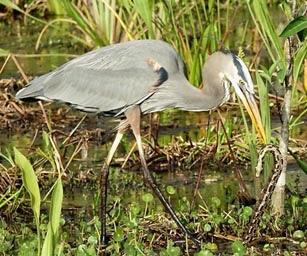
(204, 99)
(217, 91)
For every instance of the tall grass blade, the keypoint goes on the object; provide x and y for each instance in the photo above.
(55, 7)
(145, 10)
(12, 5)
(299, 58)
(266, 120)
(251, 139)
(30, 182)
(262, 19)
(266, 23)
(82, 21)
(264, 106)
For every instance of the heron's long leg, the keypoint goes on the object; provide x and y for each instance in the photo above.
(133, 117)
(104, 186)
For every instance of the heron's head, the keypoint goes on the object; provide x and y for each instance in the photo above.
(230, 71)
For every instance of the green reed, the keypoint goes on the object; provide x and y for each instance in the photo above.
(55, 7)
(29, 178)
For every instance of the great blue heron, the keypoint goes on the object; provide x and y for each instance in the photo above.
(139, 77)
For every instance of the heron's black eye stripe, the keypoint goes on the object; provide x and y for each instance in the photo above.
(239, 67)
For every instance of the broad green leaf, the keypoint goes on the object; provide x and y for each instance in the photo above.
(295, 26)
(29, 181)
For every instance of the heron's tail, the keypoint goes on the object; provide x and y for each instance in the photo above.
(34, 90)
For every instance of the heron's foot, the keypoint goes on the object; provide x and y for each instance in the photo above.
(102, 250)
(193, 238)
(104, 240)
(245, 199)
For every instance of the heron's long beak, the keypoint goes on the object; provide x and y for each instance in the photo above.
(250, 104)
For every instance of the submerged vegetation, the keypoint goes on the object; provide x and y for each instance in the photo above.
(50, 157)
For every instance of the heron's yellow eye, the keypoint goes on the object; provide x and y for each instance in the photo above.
(241, 82)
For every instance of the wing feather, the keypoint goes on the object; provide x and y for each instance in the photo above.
(109, 78)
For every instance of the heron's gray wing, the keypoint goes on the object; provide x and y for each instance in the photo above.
(99, 91)
(110, 78)
(106, 90)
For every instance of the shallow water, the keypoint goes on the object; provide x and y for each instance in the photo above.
(217, 179)
(20, 39)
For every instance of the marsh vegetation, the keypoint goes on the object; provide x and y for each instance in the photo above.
(51, 155)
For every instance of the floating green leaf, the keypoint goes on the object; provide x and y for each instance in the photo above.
(147, 198)
(295, 26)
(298, 234)
(118, 235)
(204, 252)
(247, 211)
(170, 190)
(238, 248)
(207, 227)
(216, 202)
